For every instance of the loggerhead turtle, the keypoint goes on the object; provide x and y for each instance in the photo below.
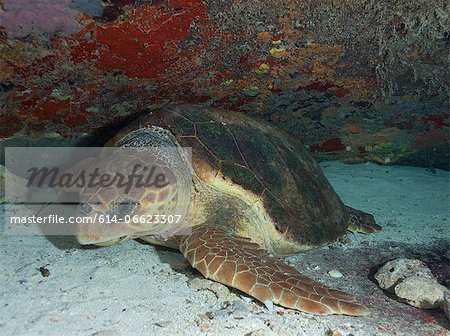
(255, 195)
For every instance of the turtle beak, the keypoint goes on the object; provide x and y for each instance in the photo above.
(98, 224)
(95, 231)
(87, 236)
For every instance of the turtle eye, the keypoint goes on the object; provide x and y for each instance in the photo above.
(123, 208)
(86, 208)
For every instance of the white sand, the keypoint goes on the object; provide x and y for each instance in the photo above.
(137, 289)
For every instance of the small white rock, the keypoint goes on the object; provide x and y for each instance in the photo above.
(269, 305)
(106, 333)
(163, 323)
(259, 332)
(335, 274)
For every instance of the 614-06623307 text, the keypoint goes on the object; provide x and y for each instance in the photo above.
(96, 218)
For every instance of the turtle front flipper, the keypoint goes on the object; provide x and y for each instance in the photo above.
(235, 261)
(360, 221)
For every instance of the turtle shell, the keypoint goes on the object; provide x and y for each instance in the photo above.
(262, 159)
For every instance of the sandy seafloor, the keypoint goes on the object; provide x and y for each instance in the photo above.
(138, 289)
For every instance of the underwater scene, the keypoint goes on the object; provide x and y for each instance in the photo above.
(211, 167)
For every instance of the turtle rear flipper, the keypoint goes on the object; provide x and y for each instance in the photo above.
(222, 256)
(360, 221)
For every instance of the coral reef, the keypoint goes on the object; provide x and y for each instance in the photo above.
(342, 76)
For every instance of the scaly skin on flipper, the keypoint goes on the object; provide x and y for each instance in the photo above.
(237, 262)
(360, 221)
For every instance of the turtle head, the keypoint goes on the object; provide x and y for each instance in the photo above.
(149, 196)
(109, 216)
